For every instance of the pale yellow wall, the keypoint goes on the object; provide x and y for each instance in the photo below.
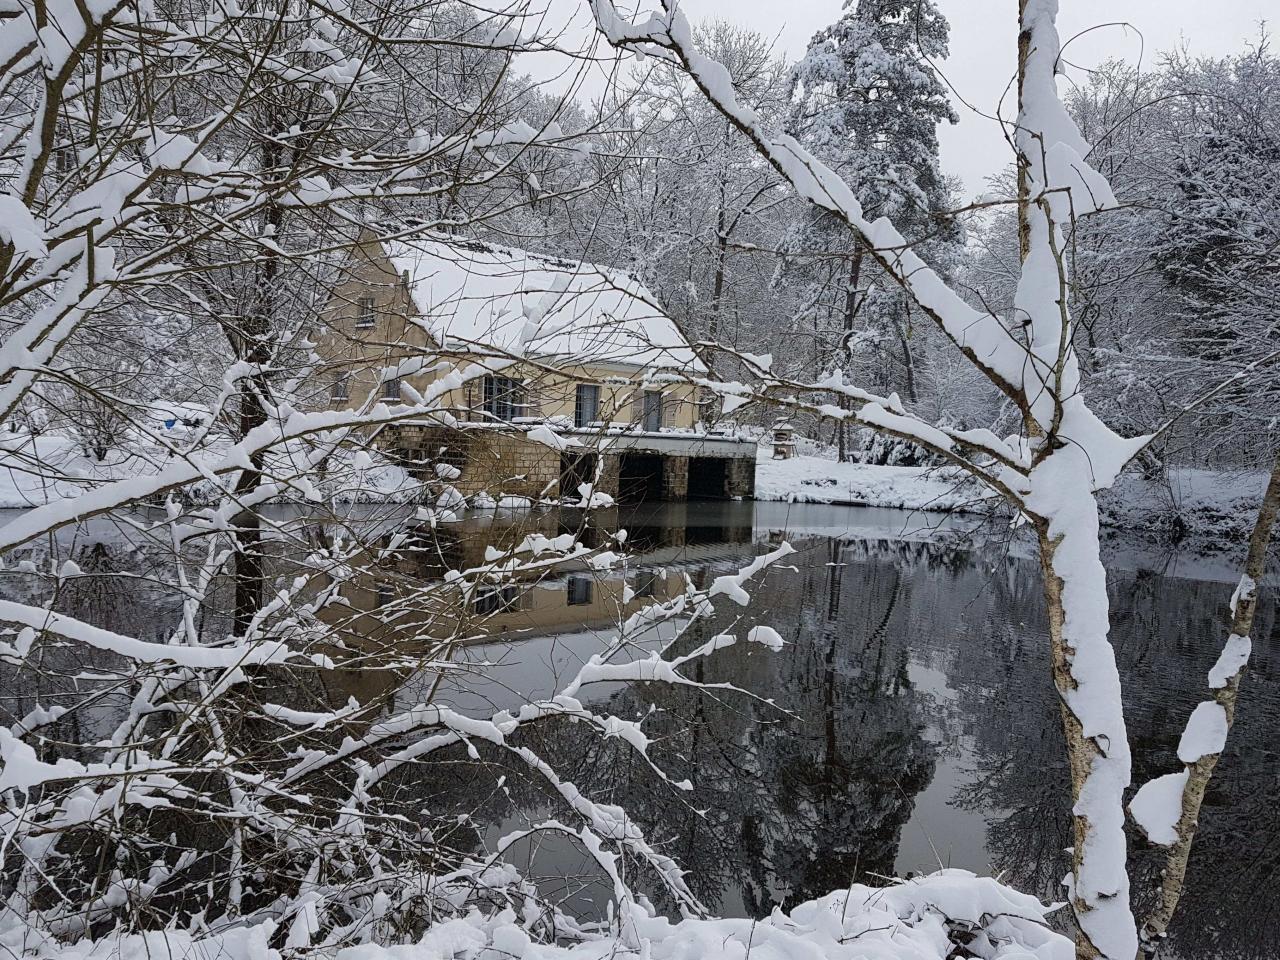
(358, 353)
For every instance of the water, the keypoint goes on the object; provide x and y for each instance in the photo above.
(915, 724)
(912, 722)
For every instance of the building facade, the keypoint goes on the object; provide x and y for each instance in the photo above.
(543, 375)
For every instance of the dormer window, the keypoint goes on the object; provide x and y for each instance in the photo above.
(365, 315)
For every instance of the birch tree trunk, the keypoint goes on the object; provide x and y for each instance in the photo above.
(1069, 589)
(1224, 680)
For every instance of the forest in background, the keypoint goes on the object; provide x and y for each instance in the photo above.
(184, 183)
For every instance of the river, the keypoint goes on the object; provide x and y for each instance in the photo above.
(909, 722)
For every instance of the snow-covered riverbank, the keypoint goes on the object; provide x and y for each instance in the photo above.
(1190, 502)
(35, 471)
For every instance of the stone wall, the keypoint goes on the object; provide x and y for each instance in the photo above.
(675, 478)
(740, 478)
(500, 463)
(507, 463)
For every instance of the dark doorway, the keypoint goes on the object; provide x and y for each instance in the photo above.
(639, 478)
(708, 478)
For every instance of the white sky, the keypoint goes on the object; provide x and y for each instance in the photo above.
(982, 57)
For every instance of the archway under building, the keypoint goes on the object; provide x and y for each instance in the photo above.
(639, 477)
(575, 470)
(708, 478)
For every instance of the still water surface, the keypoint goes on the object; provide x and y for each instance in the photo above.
(915, 724)
(909, 722)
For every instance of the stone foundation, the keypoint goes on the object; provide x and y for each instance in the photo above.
(740, 478)
(506, 463)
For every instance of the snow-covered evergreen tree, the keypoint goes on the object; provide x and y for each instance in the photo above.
(868, 102)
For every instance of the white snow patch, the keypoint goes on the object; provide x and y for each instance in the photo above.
(1206, 732)
(1157, 807)
(1233, 659)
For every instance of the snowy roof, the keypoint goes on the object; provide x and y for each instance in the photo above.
(477, 293)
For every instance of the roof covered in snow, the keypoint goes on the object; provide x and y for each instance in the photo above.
(474, 293)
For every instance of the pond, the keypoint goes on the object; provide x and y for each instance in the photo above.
(912, 724)
(908, 723)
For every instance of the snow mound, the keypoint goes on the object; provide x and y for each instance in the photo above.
(922, 919)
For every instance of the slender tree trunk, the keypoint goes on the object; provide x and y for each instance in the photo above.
(1024, 192)
(908, 358)
(722, 253)
(254, 347)
(1244, 605)
(850, 316)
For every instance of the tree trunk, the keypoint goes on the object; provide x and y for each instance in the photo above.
(908, 358)
(1084, 670)
(850, 315)
(254, 347)
(1024, 192)
(1199, 773)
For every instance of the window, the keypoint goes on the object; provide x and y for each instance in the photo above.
(579, 591)
(503, 397)
(391, 389)
(496, 600)
(646, 584)
(364, 313)
(586, 405)
(64, 153)
(652, 411)
(341, 387)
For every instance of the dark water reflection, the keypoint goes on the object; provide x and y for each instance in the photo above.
(920, 727)
(912, 725)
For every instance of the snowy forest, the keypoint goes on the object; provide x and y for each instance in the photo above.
(488, 481)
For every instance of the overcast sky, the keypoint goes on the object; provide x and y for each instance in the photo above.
(983, 46)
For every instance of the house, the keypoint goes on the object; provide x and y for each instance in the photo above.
(561, 373)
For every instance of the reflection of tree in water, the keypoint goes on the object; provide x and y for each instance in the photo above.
(784, 809)
(117, 588)
(1167, 633)
(847, 780)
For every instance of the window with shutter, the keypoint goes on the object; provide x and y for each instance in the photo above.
(652, 421)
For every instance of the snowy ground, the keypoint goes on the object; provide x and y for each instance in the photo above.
(1192, 502)
(809, 479)
(922, 919)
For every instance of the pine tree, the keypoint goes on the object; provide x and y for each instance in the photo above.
(868, 102)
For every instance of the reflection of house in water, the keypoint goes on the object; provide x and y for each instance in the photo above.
(409, 602)
(582, 383)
